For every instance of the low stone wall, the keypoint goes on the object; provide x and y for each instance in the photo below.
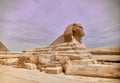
(106, 71)
(8, 61)
(66, 58)
(106, 56)
(99, 52)
(9, 53)
(9, 58)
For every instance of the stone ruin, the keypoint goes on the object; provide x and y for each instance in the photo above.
(67, 49)
(68, 55)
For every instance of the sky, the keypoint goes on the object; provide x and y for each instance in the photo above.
(37, 23)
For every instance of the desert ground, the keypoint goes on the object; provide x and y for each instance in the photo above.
(8, 74)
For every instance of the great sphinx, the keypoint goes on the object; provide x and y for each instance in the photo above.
(73, 33)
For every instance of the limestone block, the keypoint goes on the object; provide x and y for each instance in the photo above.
(94, 70)
(63, 48)
(80, 56)
(107, 57)
(8, 56)
(2, 61)
(66, 52)
(9, 61)
(79, 46)
(102, 52)
(82, 62)
(53, 64)
(75, 57)
(111, 63)
(53, 70)
(34, 59)
(22, 59)
(43, 60)
(30, 66)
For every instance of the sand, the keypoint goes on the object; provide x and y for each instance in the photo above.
(9, 74)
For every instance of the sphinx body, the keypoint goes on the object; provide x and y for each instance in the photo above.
(73, 33)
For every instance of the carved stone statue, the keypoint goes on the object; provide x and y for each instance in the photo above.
(73, 33)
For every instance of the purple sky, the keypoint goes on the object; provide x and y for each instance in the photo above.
(37, 23)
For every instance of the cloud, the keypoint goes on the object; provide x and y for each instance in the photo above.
(35, 23)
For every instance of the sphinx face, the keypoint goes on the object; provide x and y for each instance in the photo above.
(78, 32)
(75, 31)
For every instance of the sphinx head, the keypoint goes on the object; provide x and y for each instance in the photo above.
(74, 31)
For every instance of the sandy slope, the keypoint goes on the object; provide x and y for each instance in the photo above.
(9, 74)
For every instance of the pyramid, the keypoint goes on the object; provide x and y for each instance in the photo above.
(2, 47)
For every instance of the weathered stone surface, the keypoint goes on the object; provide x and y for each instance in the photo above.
(75, 57)
(107, 55)
(82, 62)
(53, 70)
(23, 59)
(110, 63)
(30, 66)
(8, 56)
(105, 52)
(114, 58)
(11, 61)
(94, 70)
